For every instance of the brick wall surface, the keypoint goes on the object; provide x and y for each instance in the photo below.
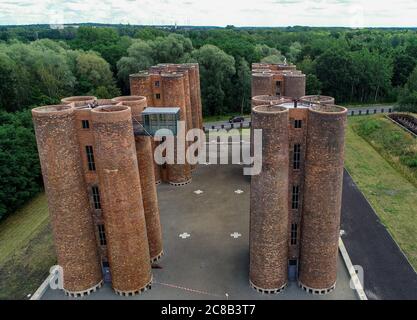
(86, 138)
(296, 177)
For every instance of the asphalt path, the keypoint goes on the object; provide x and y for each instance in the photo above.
(387, 273)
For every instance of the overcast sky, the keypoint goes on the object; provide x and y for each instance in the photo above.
(350, 13)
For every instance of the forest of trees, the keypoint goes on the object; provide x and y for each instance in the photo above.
(40, 65)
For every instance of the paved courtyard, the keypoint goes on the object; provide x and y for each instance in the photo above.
(206, 240)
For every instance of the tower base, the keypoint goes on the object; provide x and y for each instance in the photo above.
(80, 294)
(158, 257)
(134, 293)
(320, 292)
(268, 291)
(180, 184)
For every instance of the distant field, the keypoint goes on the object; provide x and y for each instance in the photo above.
(391, 194)
(26, 250)
(367, 105)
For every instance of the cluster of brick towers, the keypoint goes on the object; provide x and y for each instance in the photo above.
(296, 200)
(172, 85)
(99, 176)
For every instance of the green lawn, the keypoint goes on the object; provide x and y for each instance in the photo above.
(393, 197)
(393, 143)
(367, 105)
(26, 250)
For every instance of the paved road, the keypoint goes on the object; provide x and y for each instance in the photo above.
(387, 273)
(352, 111)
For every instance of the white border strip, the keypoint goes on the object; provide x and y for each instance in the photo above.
(354, 277)
(42, 289)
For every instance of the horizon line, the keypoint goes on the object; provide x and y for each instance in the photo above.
(206, 26)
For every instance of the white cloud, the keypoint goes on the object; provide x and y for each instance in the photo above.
(213, 12)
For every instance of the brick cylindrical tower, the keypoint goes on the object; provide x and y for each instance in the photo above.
(188, 106)
(121, 196)
(68, 202)
(269, 100)
(200, 105)
(144, 154)
(318, 99)
(194, 74)
(322, 198)
(294, 85)
(269, 205)
(141, 85)
(193, 79)
(262, 84)
(187, 96)
(263, 101)
(79, 101)
(173, 96)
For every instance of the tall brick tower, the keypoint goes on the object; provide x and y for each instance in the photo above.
(144, 153)
(322, 198)
(178, 174)
(68, 201)
(269, 205)
(195, 87)
(121, 198)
